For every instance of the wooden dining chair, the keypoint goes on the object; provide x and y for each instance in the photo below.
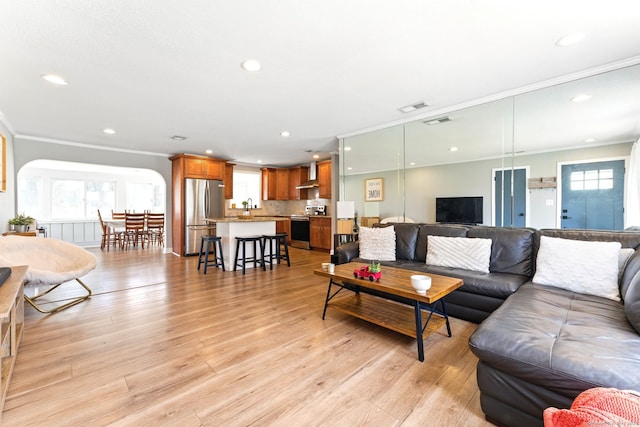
(155, 228)
(134, 230)
(118, 215)
(108, 234)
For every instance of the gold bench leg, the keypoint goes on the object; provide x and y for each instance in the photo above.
(32, 302)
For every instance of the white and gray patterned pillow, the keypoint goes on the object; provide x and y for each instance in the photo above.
(377, 244)
(459, 252)
(580, 266)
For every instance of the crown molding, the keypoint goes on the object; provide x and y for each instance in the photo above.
(91, 146)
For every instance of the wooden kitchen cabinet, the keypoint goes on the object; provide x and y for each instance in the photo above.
(297, 176)
(268, 184)
(189, 166)
(324, 179)
(275, 184)
(320, 232)
(228, 181)
(204, 168)
(282, 184)
(283, 225)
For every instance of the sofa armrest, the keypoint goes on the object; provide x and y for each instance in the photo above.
(347, 252)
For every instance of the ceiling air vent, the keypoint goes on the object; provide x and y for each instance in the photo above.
(437, 121)
(414, 107)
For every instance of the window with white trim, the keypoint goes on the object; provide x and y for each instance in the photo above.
(247, 184)
(596, 179)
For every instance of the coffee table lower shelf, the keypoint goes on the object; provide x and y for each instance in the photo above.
(389, 314)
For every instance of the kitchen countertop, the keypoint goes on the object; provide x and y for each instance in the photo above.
(245, 219)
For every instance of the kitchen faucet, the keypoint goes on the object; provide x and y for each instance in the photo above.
(249, 201)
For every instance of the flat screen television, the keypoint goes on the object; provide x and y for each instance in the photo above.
(459, 210)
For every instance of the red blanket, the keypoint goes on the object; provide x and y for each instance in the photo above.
(597, 406)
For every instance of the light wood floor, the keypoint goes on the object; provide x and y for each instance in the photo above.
(160, 343)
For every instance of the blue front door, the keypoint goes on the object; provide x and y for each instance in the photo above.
(593, 195)
(513, 212)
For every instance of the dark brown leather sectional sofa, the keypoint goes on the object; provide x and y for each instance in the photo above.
(538, 346)
(510, 267)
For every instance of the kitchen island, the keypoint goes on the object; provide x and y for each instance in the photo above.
(230, 228)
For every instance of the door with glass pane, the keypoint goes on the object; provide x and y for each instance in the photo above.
(593, 195)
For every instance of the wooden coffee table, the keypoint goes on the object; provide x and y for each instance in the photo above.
(385, 302)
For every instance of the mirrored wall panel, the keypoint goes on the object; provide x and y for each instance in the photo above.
(510, 162)
(373, 172)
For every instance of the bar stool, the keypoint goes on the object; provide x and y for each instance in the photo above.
(256, 259)
(278, 239)
(218, 259)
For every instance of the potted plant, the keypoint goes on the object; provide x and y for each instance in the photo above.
(374, 267)
(21, 222)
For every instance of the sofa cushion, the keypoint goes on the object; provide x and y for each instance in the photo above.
(623, 257)
(586, 267)
(406, 237)
(564, 341)
(497, 285)
(435, 230)
(632, 303)
(377, 243)
(459, 252)
(511, 248)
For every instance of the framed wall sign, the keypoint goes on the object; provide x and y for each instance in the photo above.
(3, 163)
(374, 190)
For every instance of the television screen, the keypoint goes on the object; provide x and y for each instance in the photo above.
(459, 210)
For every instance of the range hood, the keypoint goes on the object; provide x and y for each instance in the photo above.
(313, 182)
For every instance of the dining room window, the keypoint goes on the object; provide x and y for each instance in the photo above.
(59, 191)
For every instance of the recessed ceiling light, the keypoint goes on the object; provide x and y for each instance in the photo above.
(349, 168)
(412, 163)
(316, 156)
(208, 151)
(259, 161)
(285, 133)
(109, 131)
(251, 65)
(581, 98)
(588, 140)
(452, 149)
(57, 80)
(178, 138)
(570, 39)
(347, 148)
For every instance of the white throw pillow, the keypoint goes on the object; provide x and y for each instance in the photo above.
(459, 252)
(580, 266)
(377, 244)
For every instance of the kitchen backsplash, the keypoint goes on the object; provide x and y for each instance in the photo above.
(283, 207)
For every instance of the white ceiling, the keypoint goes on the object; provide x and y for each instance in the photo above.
(151, 69)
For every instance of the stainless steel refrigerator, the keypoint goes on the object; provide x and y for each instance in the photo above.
(203, 198)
